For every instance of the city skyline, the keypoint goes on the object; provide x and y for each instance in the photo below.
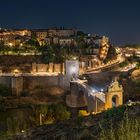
(118, 20)
(69, 69)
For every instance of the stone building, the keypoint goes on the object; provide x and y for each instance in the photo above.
(8, 39)
(104, 47)
(67, 41)
(55, 36)
(22, 32)
(61, 32)
(40, 34)
(14, 37)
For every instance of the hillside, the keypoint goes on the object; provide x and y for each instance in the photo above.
(12, 60)
(112, 124)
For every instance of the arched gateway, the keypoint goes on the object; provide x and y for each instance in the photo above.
(114, 95)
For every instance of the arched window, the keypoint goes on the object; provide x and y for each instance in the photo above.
(115, 101)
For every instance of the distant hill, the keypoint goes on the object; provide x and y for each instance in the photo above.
(132, 45)
(12, 60)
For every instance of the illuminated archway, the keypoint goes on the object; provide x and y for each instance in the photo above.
(114, 96)
(115, 101)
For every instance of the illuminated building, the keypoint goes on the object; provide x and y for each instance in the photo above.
(14, 37)
(104, 47)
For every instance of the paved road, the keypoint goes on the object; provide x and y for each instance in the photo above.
(106, 66)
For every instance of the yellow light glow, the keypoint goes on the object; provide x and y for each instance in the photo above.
(83, 113)
(16, 71)
(11, 44)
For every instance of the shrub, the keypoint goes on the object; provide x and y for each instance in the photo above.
(53, 113)
(124, 64)
(114, 112)
(24, 93)
(4, 91)
(138, 65)
(128, 129)
(79, 120)
(2, 108)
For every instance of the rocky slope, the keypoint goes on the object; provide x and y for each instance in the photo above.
(82, 128)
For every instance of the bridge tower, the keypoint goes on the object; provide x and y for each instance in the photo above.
(114, 96)
(71, 71)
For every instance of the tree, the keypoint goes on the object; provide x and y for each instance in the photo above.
(2, 46)
(33, 44)
(4, 91)
(138, 65)
(16, 49)
(81, 42)
(111, 53)
(52, 113)
(2, 104)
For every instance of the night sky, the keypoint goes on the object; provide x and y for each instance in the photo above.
(117, 19)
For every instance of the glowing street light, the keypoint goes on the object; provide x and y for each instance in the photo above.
(102, 90)
(93, 90)
(10, 44)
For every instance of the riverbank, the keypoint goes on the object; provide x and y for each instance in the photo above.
(51, 95)
(14, 121)
(105, 125)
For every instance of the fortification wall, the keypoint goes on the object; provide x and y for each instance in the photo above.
(29, 83)
(5, 80)
(51, 67)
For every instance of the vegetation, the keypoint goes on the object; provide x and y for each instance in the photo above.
(120, 123)
(133, 46)
(29, 117)
(24, 94)
(112, 54)
(129, 92)
(115, 112)
(4, 91)
(113, 124)
(124, 64)
(138, 65)
(11, 123)
(54, 52)
(128, 129)
(2, 108)
(52, 113)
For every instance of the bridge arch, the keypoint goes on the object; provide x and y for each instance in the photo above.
(115, 101)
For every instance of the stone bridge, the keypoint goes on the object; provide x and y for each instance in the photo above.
(82, 95)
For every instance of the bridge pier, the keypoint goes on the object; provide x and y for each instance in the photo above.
(17, 85)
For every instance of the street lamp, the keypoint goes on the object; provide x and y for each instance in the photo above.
(10, 44)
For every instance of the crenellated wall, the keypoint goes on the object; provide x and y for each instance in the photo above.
(51, 67)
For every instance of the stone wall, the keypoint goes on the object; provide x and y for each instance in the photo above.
(51, 67)
(29, 83)
(17, 85)
(5, 80)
